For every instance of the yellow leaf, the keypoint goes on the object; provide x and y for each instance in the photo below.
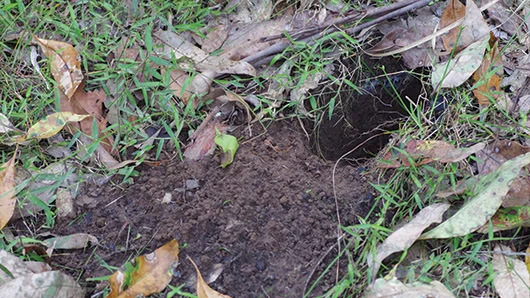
(151, 274)
(52, 124)
(116, 284)
(65, 64)
(203, 290)
(7, 191)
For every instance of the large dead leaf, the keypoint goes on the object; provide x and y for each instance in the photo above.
(50, 125)
(90, 103)
(27, 280)
(474, 27)
(384, 287)
(203, 289)
(7, 191)
(216, 33)
(151, 274)
(192, 57)
(405, 236)
(426, 151)
(194, 60)
(457, 70)
(401, 33)
(512, 279)
(203, 139)
(488, 75)
(497, 153)
(65, 64)
(245, 40)
(488, 197)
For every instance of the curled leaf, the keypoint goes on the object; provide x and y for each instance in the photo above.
(51, 125)
(65, 64)
(228, 144)
(203, 289)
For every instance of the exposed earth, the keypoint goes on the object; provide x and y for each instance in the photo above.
(265, 224)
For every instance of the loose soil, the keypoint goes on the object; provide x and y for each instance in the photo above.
(264, 225)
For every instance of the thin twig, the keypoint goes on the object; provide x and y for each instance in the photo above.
(390, 11)
(431, 36)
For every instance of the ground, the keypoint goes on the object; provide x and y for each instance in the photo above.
(267, 221)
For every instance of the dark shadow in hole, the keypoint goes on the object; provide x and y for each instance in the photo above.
(363, 117)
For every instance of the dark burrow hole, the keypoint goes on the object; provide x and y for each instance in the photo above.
(362, 118)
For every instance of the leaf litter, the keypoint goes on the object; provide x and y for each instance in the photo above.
(199, 69)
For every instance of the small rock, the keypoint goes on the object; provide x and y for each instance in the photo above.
(167, 198)
(64, 203)
(192, 184)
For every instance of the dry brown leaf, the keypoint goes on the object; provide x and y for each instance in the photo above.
(7, 191)
(89, 103)
(203, 143)
(454, 11)
(32, 279)
(404, 237)
(426, 151)
(247, 39)
(65, 64)
(151, 274)
(512, 278)
(490, 158)
(199, 84)
(474, 27)
(184, 51)
(203, 290)
(215, 38)
(490, 83)
(401, 33)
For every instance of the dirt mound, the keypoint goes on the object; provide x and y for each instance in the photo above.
(266, 221)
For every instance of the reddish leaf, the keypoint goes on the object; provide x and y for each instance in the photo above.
(454, 11)
(203, 139)
(473, 28)
(487, 75)
(89, 103)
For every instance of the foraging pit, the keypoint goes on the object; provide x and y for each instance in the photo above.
(362, 118)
